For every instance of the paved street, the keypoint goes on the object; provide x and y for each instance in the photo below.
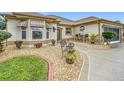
(105, 64)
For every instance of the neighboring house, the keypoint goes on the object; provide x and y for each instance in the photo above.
(34, 27)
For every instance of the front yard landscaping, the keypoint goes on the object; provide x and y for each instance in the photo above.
(60, 69)
(24, 68)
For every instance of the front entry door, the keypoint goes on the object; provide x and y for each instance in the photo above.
(59, 34)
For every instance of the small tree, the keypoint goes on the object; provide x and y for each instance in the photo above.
(3, 36)
(108, 36)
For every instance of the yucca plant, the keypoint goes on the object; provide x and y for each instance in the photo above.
(93, 38)
(71, 56)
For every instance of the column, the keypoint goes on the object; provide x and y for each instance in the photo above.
(29, 33)
(44, 30)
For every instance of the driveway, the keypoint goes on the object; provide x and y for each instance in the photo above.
(105, 64)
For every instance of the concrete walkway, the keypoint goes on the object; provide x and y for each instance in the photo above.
(105, 64)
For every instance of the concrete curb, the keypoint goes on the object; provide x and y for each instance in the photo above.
(81, 67)
(50, 72)
(84, 72)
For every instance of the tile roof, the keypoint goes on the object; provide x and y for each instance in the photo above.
(63, 20)
(36, 14)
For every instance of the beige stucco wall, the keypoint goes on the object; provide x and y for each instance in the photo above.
(52, 34)
(17, 32)
(13, 29)
(89, 29)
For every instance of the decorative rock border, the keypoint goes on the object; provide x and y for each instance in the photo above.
(50, 72)
(98, 46)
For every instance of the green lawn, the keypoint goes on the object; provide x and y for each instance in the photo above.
(24, 68)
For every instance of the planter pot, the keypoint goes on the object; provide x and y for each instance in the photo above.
(18, 44)
(53, 42)
(92, 42)
(38, 45)
(69, 61)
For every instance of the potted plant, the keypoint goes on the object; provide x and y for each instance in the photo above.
(18, 44)
(53, 42)
(108, 36)
(38, 45)
(93, 38)
(71, 57)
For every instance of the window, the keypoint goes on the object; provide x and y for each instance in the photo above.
(111, 29)
(82, 28)
(36, 33)
(23, 32)
(47, 35)
(68, 31)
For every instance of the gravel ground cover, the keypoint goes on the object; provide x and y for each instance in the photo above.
(61, 70)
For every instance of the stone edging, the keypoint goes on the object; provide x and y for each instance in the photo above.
(100, 47)
(81, 68)
(85, 67)
(50, 71)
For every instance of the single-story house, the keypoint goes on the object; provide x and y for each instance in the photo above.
(33, 27)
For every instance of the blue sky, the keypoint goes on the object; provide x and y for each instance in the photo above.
(78, 15)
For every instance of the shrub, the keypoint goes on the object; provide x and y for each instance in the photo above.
(53, 42)
(3, 36)
(71, 56)
(38, 45)
(18, 44)
(108, 36)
